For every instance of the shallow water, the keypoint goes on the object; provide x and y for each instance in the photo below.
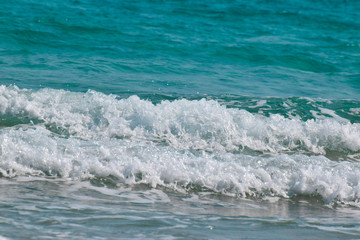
(38, 208)
(179, 119)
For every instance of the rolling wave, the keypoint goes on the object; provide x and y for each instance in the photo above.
(186, 145)
(181, 124)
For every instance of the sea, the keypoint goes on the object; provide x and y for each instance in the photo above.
(179, 119)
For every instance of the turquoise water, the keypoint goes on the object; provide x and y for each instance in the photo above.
(179, 119)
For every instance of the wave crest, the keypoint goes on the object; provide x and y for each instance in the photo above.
(182, 124)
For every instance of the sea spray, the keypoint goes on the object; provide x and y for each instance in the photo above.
(181, 124)
(186, 145)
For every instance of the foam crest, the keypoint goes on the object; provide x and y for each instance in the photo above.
(35, 152)
(181, 124)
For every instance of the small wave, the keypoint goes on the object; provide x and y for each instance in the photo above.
(181, 124)
(35, 151)
(186, 145)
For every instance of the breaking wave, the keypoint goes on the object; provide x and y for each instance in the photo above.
(187, 145)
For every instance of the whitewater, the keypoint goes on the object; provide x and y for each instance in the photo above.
(179, 119)
(185, 145)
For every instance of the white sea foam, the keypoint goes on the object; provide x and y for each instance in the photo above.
(260, 103)
(35, 151)
(181, 124)
(355, 111)
(333, 114)
(184, 145)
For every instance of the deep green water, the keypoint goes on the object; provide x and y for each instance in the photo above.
(179, 119)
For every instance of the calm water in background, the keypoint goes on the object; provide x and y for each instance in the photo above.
(179, 119)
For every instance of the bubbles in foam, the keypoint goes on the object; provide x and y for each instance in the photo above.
(181, 124)
(34, 152)
(197, 145)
